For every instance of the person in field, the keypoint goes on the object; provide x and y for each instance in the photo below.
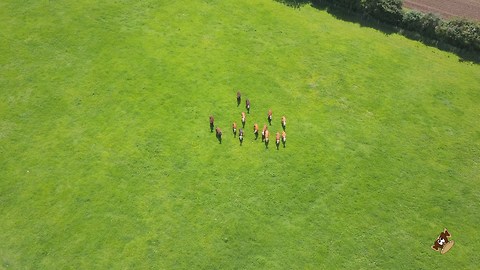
(239, 98)
(267, 134)
(240, 136)
(218, 133)
(284, 122)
(243, 119)
(247, 105)
(255, 130)
(263, 132)
(270, 117)
(284, 138)
(234, 129)
(211, 123)
(277, 139)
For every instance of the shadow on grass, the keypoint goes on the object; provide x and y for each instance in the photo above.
(347, 16)
(364, 21)
(463, 54)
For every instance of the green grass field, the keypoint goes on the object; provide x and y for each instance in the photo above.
(107, 160)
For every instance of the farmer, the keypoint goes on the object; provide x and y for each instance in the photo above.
(284, 138)
(284, 122)
(255, 130)
(270, 117)
(243, 119)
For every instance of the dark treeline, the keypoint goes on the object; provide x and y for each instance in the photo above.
(461, 33)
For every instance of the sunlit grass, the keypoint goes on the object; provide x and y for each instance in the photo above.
(108, 161)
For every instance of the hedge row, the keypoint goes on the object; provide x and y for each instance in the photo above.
(461, 33)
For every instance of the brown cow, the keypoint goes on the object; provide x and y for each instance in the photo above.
(240, 136)
(247, 105)
(239, 98)
(218, 133)
(243, 119)
(277, 139)
(284, 122)
(211, 123)
(284, 138)
(270, 117)
(266, 138)
(234, 129)
(255, 130)
(263, 132)
(441, 240)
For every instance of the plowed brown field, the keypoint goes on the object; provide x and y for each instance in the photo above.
(447, 8)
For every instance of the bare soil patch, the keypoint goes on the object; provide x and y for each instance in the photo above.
(469, 9)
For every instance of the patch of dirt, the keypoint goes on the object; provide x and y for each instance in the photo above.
(469, 9)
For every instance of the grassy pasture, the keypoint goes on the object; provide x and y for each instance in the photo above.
(107, 160)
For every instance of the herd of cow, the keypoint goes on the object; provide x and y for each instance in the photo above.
(265, 131)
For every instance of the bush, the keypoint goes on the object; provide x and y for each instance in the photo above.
(425, 24)
(412, 20)
(385, 10)
(461, 33)
(353, 5)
